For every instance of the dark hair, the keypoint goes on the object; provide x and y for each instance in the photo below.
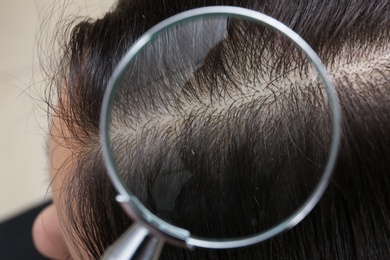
(352, 221)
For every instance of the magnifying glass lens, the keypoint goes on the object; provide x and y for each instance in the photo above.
(221, 126)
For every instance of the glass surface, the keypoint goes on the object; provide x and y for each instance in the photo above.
(221, 126)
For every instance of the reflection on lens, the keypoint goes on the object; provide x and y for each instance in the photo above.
(221, 126)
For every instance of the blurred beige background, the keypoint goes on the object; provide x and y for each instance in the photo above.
(25, 25)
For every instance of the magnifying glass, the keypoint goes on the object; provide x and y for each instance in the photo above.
(220, 129)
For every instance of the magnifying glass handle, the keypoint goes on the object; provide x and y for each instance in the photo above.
(136, 243)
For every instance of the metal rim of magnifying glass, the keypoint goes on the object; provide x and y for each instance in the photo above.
(168, 231)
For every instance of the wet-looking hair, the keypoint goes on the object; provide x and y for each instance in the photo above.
(352, 221)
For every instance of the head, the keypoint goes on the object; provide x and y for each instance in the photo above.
(352, 220)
